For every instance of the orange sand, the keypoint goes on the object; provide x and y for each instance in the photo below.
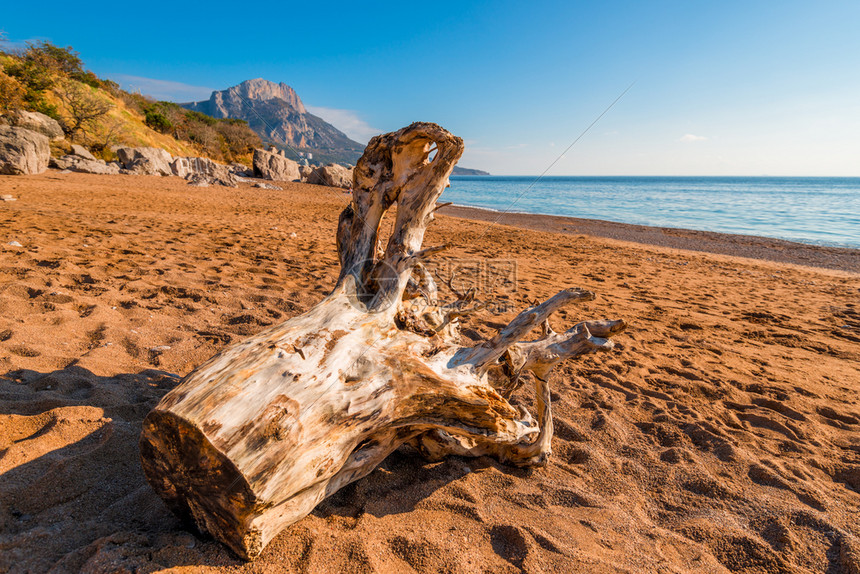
(723, 434)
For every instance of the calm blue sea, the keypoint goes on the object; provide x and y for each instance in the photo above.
(817, 210)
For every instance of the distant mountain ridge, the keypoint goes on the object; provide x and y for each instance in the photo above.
(278, 115)
(468, 171)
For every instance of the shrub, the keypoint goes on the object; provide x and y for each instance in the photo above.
(11, 92)
(239, 139)
(199, 117)
(157, 121)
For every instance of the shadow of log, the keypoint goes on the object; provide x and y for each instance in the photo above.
(72, 492)
(403, 481)
(73, 495)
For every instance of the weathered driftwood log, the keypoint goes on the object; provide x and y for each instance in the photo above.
(254, 438)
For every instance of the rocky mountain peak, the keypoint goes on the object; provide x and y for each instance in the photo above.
(262, 90)
(278, 115)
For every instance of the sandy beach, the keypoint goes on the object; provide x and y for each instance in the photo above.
(722, 434)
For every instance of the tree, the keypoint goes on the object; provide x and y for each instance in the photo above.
(109, 135)
(83, 108)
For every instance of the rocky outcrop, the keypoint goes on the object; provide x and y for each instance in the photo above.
(221, 104)
(22, 151)
(203, 172)
(84, 165)
(83, 152)
(305, 172)
(275, 167)
(185, 166)
(332, 175)
(145, 160)
(275, 113)
(35, 122)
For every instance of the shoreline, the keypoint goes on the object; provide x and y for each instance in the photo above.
(749, 246)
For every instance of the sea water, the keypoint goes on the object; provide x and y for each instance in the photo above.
(815, 210)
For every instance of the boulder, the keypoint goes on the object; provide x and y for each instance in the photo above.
(332, 175)
(305, 171)
(203, 172)
(275, 167)
(35, 122)
(22, 151)
(83, 152)
(267, 186)
(84, 165)
(186, 166)
(145, 160)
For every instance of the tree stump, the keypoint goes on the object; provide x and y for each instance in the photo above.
(253, 439)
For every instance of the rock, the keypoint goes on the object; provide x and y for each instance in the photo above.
(305, 171)
(332, 175)
(202, 172)
(7, 198)
(204, 180)
(186, 166)
(198, 181)
(35, 122)
(14, 244)
(83, 165)
(145, 160)
(83, 152)
(22, 151)
(268, 186)
(274, 167)
(240, 170)
(96, 166)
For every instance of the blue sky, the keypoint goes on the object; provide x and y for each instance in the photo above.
(727, 88)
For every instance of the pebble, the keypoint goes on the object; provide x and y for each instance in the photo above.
(14, 244)
(160, 348)
(293, 235)
(7, 198)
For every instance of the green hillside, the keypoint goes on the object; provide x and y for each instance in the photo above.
(98, 114)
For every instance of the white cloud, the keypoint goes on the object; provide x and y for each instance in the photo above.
(689, 138)
(162, 89)
(346, 121)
